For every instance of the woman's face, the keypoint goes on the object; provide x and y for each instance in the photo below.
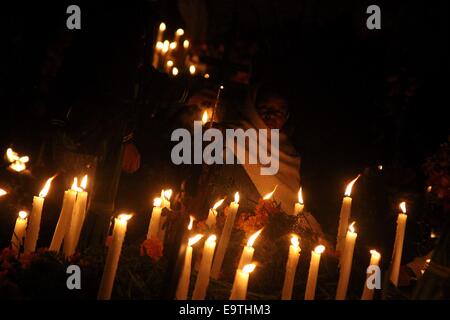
(274, 111)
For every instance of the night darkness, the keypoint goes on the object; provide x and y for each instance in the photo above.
(358, 99)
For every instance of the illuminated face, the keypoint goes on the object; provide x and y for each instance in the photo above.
(274, 111)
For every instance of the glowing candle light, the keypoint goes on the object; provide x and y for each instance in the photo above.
(65, 217)
(206, 76)
(205, 117)
(175, 71)
(3, 192)
(299, 206)
(112, 259)
(291, 268)
(165, 198)
(186, 44)
(346, 262)
(201, 285)
(398, 245)
(161, 29)
(225, 237)
(344, 216)
(247, 253)
(77, 219)
(178, 34)
(192, 69)
(34, 220)
(270, 194)
(211, 221)
(374, 261)
(183, 283)
(153, 227)
(310, 291)
(239, 289)
(17, 162)
(19, 230)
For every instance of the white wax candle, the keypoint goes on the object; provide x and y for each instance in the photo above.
(19, 230)
(225, 237)
(291, 268)
(211, 220)
(239, 289)
(346, 263)
(247, 253)
(398, 245)
(64, 220)
(153, 227)
(201, 285)
(374, 261)
(76, 224)
(112, 259)
(310, 291)
(299, 206)
(344, 216)
(34, 224)
(183, 282)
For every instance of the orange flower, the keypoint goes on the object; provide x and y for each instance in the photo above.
(153, 248)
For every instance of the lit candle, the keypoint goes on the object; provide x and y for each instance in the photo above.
(112, 259)
(18, 163)
(153, 227)
(374, 261)
(247, 253)
(239, 289)
(34, 220)
(161, 29)
(65, 217)
(299, 206)
(159, 44)
(186, 44)
(165, 198)
(19, 230)
(175, 71)
(3, 192)
(398, 245)
(310, 291)
(192, 69)
(225, 237)
(346, 263)
(201, 285)
(183, 283)
(344, 216)
(211, 221)
(178, 34)
(205, 117)
(291, 268)
(77, 220)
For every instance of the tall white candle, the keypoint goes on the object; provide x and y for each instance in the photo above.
(19, 230)
(346, 263)
(202, 282)
(211, 220)
(183, 283)
(165, 203)
(112, 259)
(225, 237)
(398, 245)
(344, 216)
(291, 268)
(34, 220)
(153, 227)
(64, 219)
(239, 289)
(310, 291)
(247, 253)
(374, 261)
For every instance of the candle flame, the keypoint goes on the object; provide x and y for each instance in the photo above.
(375, 253)
(212, 238)
(348, 189)
(300, 196)
(84, 182)
(191, 222)
(236, 198)
(206, 76)
(11, 155)
(46, 188)
(433, 235)
(175, 71)
(75, 186)
(162, 26)
(157, 202)
(23, 215)
(194, 239)
(192, 69)
(186, 44)
(159, 45)
(319, 249)
(3, 192)
(18, 163)
(124, 217)
(269, 195)
(169, 63)
(249, 268)
(205, 117)
(168, 194)
(24, 159)
(173, 45)
(179, 32)
(295, 241)
(218, 204)
(403, 206)
(165, 46)
(253, 237)
(351, 227)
